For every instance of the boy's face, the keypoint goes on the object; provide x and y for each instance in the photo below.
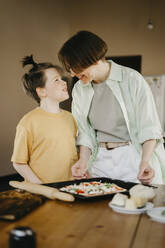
(55, 88)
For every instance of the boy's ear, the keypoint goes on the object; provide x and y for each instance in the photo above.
(41, 92)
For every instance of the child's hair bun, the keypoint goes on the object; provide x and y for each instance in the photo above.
(28, 60)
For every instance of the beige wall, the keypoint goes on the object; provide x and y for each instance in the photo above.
(122, 24)
(27, 27)
(41, 26)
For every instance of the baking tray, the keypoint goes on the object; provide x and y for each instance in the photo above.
(123, 184)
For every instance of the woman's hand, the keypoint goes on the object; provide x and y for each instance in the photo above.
(79, 169)
(146, 173)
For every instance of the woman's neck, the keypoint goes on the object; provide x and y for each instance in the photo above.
(50, 106)
(103, 71)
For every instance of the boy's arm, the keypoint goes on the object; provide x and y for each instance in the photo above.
(26, 172)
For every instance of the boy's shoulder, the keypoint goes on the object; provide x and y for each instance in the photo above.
(67, 113)
(29, 117)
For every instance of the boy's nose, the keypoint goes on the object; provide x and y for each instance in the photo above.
(64, 82)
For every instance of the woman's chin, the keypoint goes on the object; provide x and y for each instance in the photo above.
(85, 81)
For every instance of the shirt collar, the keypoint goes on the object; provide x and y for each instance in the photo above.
(115, 72)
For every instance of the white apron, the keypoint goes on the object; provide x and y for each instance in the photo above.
(120, 163)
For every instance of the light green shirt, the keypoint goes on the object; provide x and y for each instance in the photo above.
(138, 107)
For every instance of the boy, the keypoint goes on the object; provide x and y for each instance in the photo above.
(44, 148)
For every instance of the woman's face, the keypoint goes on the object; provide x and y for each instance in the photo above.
(87, 75)
(55, 88)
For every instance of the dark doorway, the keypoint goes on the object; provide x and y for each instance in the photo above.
(129, 61)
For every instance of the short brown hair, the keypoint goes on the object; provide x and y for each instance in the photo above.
(81, 51)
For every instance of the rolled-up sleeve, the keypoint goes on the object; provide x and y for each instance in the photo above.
(83, 137)
(146, 114)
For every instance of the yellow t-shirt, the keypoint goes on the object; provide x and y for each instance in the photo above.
(46, 142)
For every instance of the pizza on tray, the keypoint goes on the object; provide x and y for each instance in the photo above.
(93, 188)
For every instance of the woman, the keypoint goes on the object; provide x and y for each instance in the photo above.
(119, 133)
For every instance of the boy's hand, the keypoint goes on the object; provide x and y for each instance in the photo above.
(146, 173)
(80, 169)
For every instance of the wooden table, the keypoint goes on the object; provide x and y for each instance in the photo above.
(90, 224)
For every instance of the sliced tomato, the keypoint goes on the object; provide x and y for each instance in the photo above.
(79, 191)
(95, 183)
(117, 188)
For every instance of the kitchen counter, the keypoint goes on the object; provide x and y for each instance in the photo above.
(93, 224)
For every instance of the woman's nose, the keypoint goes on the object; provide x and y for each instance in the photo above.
(72, 73)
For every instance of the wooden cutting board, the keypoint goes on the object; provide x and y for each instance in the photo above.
(15, 204)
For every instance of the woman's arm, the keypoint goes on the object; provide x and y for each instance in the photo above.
(25, 171)
(146, 173)
(80, 168)
(147, 119)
